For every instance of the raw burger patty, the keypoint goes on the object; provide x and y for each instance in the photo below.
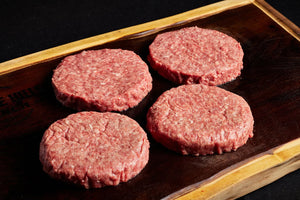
(94, 149)
(198, 119)
(102, 80)
(196, 55)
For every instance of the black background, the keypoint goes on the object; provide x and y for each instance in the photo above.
(31, 26)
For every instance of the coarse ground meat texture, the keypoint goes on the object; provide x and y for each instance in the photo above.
(195, 55)
(94, 149)
(102, 80)
(198, 119)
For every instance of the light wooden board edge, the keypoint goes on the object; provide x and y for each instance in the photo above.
(245, 177)
(63, 50)
(276, 16)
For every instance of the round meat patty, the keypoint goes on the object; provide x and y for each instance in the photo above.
(198, 119)
(102, 80)
(196, 55)
(94, 149)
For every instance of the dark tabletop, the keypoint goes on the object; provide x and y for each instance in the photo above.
(31, 26)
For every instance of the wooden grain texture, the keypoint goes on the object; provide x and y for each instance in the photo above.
(278, 18)
(247, 176)
(269, 82)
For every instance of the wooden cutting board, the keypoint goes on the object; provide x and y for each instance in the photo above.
(269, 82)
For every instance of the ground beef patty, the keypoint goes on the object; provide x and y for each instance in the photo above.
(102, 80)
(94, 149)
(196, 55)
(198, 119)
